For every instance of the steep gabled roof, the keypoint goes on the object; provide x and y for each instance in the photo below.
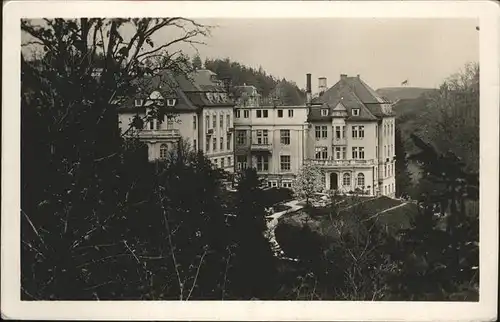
(199, 89)
(353, 92)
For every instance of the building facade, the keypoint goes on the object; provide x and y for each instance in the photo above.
(198, 110)
(351, 137)
(269, 138)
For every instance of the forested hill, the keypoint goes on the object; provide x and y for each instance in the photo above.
(268, 86)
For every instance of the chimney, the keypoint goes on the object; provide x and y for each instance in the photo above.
(308, 89)
(321, 85)
(343, 76)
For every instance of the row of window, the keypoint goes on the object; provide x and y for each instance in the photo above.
(358, 153)
(284, 184)
(389, 188)
(214, 143)
(321, 132)
(214, 121)
(389, 129)
(388, 150)
(222, 162)
(262, 164)
(346, 179)
(141, 102)
(260, 113)
(262, 137)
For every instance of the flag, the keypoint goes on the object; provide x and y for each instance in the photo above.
(404, 82)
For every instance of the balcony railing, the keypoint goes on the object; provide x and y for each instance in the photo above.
(343, 163)
(159, 134)
(339, 141)
(255, 146)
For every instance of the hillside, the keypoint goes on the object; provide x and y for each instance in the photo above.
(267, 85)
(399, 93)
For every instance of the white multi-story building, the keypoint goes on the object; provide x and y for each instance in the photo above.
(269, 137)
(202, 114)
(351, 137)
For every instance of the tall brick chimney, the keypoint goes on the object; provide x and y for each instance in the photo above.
(308, 90)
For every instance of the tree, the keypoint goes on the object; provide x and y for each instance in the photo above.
(403, 179)
(308, 182)
(444, 257)
(250, 243)
(91, 211)
(197, 64)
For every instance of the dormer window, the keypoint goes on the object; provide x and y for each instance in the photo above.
(171, 101)
(138, 102)
(355, 111)
(324, 112)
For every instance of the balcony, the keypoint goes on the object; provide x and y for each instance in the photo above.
(343, 163)
(159, 134)
(339, 141)
(262, 147)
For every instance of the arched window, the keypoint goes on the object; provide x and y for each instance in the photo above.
(361, 179)
(346, 180)
(163, 151)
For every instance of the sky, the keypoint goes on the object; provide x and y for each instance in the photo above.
(384, 52)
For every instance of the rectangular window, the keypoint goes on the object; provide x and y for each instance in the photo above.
(318, 132)
(354, 132)
(354, 153)
(262, 137)
(195, 146)
(228, 161)
(221, 144)
(324, 112)
(361, 153)
(262, 163)
(343, 132)
(285, 137)
(241, 162)
(337, 132)
(258, 113)
(152, 125)
(246, 114)
(222, 164)
(344, 153)
(385, 171)
(214, 145)
(138, 102)
(324, 132)
(290, 113)
(207, 145)
(241, 137)
(228, 142)
(237, 113)
(355, 111)
(285, 162)
(264, 113)
(228, 121)
(207, 122)
(376, 130)
(361, 132)
(280, 113)
(337, 153)
(221, 121)
(322, 153)
(194, 122)
(215, 161)
(214, 121)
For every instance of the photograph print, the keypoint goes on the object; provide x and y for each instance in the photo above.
(249, 159)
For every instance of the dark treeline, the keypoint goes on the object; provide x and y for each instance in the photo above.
(267, 85)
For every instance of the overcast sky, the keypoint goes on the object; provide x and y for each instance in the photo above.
(384, 52)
